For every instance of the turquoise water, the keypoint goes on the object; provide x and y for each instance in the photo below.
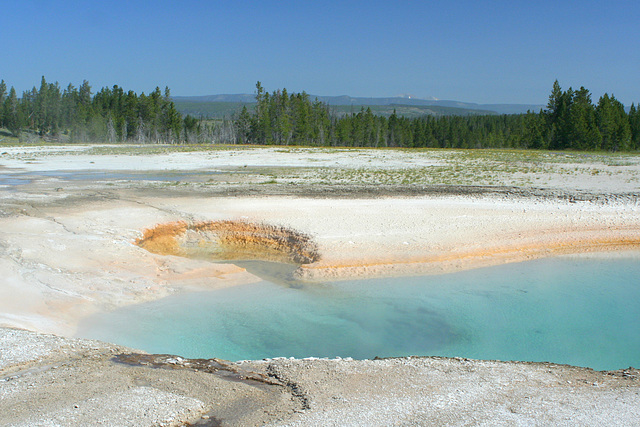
(583, 312)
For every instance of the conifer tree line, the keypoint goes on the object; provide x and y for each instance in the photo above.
(110, 115)
(570, 122)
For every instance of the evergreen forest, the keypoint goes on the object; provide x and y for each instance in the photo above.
(571, 121)
(76, 114)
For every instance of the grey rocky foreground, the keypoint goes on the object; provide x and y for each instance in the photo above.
(53, 381)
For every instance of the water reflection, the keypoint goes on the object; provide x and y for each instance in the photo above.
(279, 273)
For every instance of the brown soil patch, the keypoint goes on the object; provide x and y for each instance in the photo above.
(474, 257)
(230, 240)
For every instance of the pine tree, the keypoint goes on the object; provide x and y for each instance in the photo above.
(321, 122)
(69, 107)
(555, 100)
(260, 128)
(13, 119)
(558, 115)
(190, 129)
(174, 124)
(392, 130)
(84, 102)
(613, 124)
(3, 97)
(634, 127)
(130, 114)
(369, 131)
(243, 126)
(302, 128)
(533, 133)
(584, 134)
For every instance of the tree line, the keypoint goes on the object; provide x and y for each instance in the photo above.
(571, 121)
(76, 114)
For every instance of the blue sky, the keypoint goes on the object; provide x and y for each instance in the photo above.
(475, 51)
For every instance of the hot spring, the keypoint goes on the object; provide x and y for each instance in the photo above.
(568, 310)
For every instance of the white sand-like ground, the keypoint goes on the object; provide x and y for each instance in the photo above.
(68, 246)
(60, 263)
(67, 251)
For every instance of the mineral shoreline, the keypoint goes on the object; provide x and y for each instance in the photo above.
(51, 380)
(68, 250)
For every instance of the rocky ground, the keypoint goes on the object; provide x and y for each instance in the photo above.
(47, 380)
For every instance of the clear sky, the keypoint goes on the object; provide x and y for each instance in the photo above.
(475, 51)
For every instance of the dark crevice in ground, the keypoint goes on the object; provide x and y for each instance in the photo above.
(295, 389)
(221, 368)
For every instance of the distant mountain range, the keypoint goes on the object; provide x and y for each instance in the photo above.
(227, 104)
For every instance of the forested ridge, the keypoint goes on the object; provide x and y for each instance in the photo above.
(76, 114)
(571, 121)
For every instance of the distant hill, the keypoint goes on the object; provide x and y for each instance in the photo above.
(496, 108)
(409, 111)
(226, 105)
(211, 109)
(244, 98)
(220, 110)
